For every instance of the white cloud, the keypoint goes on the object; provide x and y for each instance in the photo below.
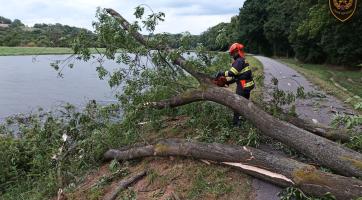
(181, 15)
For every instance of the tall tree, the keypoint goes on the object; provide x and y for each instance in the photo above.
(252, 17)
(216, 37)
(277, 27)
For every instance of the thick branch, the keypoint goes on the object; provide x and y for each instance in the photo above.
(180, 61)
(180, 100)
(276, 169)
(321, 130)
(197, 95)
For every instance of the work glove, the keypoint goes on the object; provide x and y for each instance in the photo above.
(219, 74)
(230, 82)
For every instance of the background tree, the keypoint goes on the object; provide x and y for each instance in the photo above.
(278, 25)
(57, 35)
(304, 29)
(216, 37)
(252, 18)
(4, 20)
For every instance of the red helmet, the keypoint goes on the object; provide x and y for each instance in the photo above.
(237, 47)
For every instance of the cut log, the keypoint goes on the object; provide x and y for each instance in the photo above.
(272, 168)
(327, 153)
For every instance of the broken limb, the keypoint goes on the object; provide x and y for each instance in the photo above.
(272, 168)
(320, 129)
(123, 185)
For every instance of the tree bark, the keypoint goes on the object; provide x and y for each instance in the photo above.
(341, 135)
(325, 152)
(272, 168)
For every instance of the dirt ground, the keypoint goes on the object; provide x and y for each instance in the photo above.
(171, 178)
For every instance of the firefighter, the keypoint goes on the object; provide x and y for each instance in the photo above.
(240, 73)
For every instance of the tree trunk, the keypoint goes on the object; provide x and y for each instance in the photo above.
(274, 49)
(272, 168)
(325, 152)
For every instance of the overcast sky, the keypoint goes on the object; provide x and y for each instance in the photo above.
(194, 16)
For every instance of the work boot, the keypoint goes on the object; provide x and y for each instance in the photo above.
(237, 120)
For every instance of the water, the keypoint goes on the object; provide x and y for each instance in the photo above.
(29, 82)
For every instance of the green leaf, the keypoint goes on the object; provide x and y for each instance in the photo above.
(139, 12)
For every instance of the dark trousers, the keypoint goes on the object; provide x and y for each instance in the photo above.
(245, 94)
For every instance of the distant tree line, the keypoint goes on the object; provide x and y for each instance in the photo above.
(58, 35)
(41, 35)
(304, 29)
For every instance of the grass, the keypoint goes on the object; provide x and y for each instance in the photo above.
(20, 51)
(17, 51)
(337, 81)
(209, 182)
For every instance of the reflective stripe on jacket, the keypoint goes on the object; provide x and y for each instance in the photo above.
(241, 72)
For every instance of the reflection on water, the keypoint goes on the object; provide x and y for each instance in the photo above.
(28, 82)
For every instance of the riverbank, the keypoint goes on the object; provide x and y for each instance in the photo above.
(84, 137)
(18, 51)
(23, 51)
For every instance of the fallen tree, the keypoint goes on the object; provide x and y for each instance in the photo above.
(272, 168)
(327, 153)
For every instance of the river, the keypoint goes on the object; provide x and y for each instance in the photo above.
(29, 82)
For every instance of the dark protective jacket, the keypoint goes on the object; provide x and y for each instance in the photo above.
(241, 73)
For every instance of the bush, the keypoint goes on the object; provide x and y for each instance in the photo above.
(56, 148)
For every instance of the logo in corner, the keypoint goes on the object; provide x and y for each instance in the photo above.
(343, 9)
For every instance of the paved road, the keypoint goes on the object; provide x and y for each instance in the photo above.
(315, 109)
(319, 107)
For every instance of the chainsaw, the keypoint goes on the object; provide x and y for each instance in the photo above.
(221, 81)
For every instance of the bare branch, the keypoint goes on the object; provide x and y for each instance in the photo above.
(123, 185)
(180, 100)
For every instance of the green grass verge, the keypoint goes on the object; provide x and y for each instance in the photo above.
(21, 51)
(17, 51)
(336, 81)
